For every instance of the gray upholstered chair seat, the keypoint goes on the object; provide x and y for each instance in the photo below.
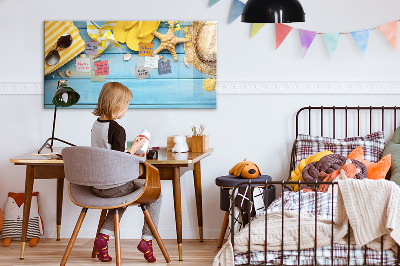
(85, 167)
(83, 196)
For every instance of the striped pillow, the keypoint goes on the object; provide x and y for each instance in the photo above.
(372, 145)
(13, 228)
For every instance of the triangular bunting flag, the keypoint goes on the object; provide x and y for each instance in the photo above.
(361, 37)
(255, 28)
(306, 39)
(332, 41)
(213, 2)
(281, 31)
(389, 30)
(237, 8)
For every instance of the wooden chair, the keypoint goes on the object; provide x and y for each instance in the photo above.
(85, 167)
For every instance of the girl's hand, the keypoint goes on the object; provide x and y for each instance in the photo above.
(137, 144)
(142, 155)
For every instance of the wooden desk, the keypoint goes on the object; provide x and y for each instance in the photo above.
(169, 165)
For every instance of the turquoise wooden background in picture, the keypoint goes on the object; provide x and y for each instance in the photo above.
(183, 88)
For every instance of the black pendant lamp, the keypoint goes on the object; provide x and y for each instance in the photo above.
(273, 11)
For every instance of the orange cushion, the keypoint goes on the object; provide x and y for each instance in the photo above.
(375, 170)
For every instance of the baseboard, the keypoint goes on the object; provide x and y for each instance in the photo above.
(259, 87)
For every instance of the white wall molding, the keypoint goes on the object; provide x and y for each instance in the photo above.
(308, 87)
(260, 87)
(21, 88)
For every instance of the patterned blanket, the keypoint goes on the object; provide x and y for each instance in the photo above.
(322, 205)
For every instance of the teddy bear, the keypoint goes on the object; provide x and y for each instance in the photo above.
(180, 144)
(245, 169)
(13, 215)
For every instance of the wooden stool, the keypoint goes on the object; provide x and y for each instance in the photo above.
(226, 183)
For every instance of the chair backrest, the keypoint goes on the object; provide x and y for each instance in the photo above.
(92, 166)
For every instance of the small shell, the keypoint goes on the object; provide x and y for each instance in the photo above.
(209, 84)
(127, 57)
(67, 73)
(59, 73)
(82, 55)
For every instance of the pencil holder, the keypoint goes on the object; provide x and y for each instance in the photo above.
(200, 143)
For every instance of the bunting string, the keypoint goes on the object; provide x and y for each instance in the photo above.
(361, 37)
(342, 33)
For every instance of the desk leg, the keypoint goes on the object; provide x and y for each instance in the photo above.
(176, 183)
(199, 204)
(60, 190)
(27, 206)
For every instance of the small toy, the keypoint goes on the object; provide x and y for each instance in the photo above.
(13, 215)
(180, 144)
(245, 169)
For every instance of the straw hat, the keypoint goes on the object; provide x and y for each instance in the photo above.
(201, 50)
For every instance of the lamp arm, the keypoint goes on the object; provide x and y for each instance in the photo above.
(73, 97)
(46, 143)
(54, 125)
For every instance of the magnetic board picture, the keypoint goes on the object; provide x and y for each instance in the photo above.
(166, 64)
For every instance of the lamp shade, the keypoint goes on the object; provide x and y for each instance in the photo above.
(65, 96)
(273, 11)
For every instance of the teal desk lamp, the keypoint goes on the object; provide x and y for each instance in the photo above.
(63, 97)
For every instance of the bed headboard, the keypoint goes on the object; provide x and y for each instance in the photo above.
(344, 121)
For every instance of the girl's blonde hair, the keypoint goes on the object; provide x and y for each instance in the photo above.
(113, 97)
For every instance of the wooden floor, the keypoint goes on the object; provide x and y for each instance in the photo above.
(50, 252)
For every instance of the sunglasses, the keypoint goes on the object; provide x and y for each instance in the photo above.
(53, 56)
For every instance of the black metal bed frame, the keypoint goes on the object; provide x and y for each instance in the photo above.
(283, 184)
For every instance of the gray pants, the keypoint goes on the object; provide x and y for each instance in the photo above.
(154, 208)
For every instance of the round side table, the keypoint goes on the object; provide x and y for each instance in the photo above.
(228, 182)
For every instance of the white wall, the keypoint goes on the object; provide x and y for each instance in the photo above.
(259, 127)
